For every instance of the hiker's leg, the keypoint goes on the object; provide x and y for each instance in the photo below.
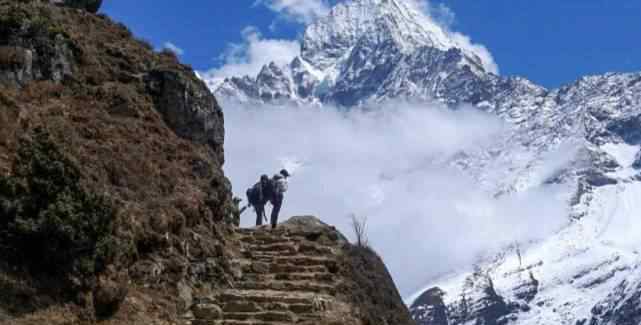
(278, 202)
(260, 210)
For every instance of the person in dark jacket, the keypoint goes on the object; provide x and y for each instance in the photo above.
(258, 195)
(280, 186)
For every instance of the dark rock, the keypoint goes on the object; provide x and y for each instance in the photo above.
(16, 65)
(371, 289)
(24, 57)
(528, 289)
(596, 178)
(494, 308)
(188, 107)
(429, 308)
(621, 307)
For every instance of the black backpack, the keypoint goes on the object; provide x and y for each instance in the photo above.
(254, 195)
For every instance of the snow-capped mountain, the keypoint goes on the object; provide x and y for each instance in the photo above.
(589, 272)
(365, 50)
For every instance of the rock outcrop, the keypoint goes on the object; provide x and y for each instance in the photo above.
(305, 272)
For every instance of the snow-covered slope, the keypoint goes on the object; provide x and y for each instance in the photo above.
(588, 272)
(586, 135)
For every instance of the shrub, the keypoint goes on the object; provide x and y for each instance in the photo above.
(48, 221)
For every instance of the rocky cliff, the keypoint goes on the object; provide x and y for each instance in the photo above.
(113, 203)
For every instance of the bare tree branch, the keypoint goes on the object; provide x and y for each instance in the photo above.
(359, 226)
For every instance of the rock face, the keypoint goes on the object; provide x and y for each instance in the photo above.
(305, 272)
(188, 107)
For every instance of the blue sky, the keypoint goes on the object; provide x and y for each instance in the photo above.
(550, 42)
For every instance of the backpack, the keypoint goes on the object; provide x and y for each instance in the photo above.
(280, 184)
(254, 195)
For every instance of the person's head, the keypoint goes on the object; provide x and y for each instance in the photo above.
(284, 173)
(264, 179)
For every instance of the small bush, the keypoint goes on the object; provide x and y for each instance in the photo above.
(47, 220)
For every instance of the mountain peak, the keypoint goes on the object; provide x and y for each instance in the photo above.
(365, 50)
(400, 21)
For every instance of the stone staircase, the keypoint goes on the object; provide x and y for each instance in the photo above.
(288, 277)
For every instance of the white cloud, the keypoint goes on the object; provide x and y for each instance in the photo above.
(424, 217)
(301, 11)
(481, 51)
(248, 57)
(173, 47)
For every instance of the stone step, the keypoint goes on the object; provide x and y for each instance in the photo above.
(269, 267)
(268, 316)
(289, 245)
(269, 296)
(315, 249)
(260, 241)
(236, 322)
(275, 248)
(286, 246)
(301, 260)
(268, 234)
(246, 231)
(322, 277)
(263, 254)
(253, 307)
(287, 286)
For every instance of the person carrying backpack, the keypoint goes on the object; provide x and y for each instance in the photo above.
(280, 186)
(258, 195)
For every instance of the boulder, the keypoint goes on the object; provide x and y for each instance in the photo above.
(188, 107)
(108, 296)
(313, 229)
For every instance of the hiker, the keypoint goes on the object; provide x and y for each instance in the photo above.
(258, 195)
(279, 183)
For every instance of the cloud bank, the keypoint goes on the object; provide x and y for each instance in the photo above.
(424, 218)
(300, 11)
(249, 57)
